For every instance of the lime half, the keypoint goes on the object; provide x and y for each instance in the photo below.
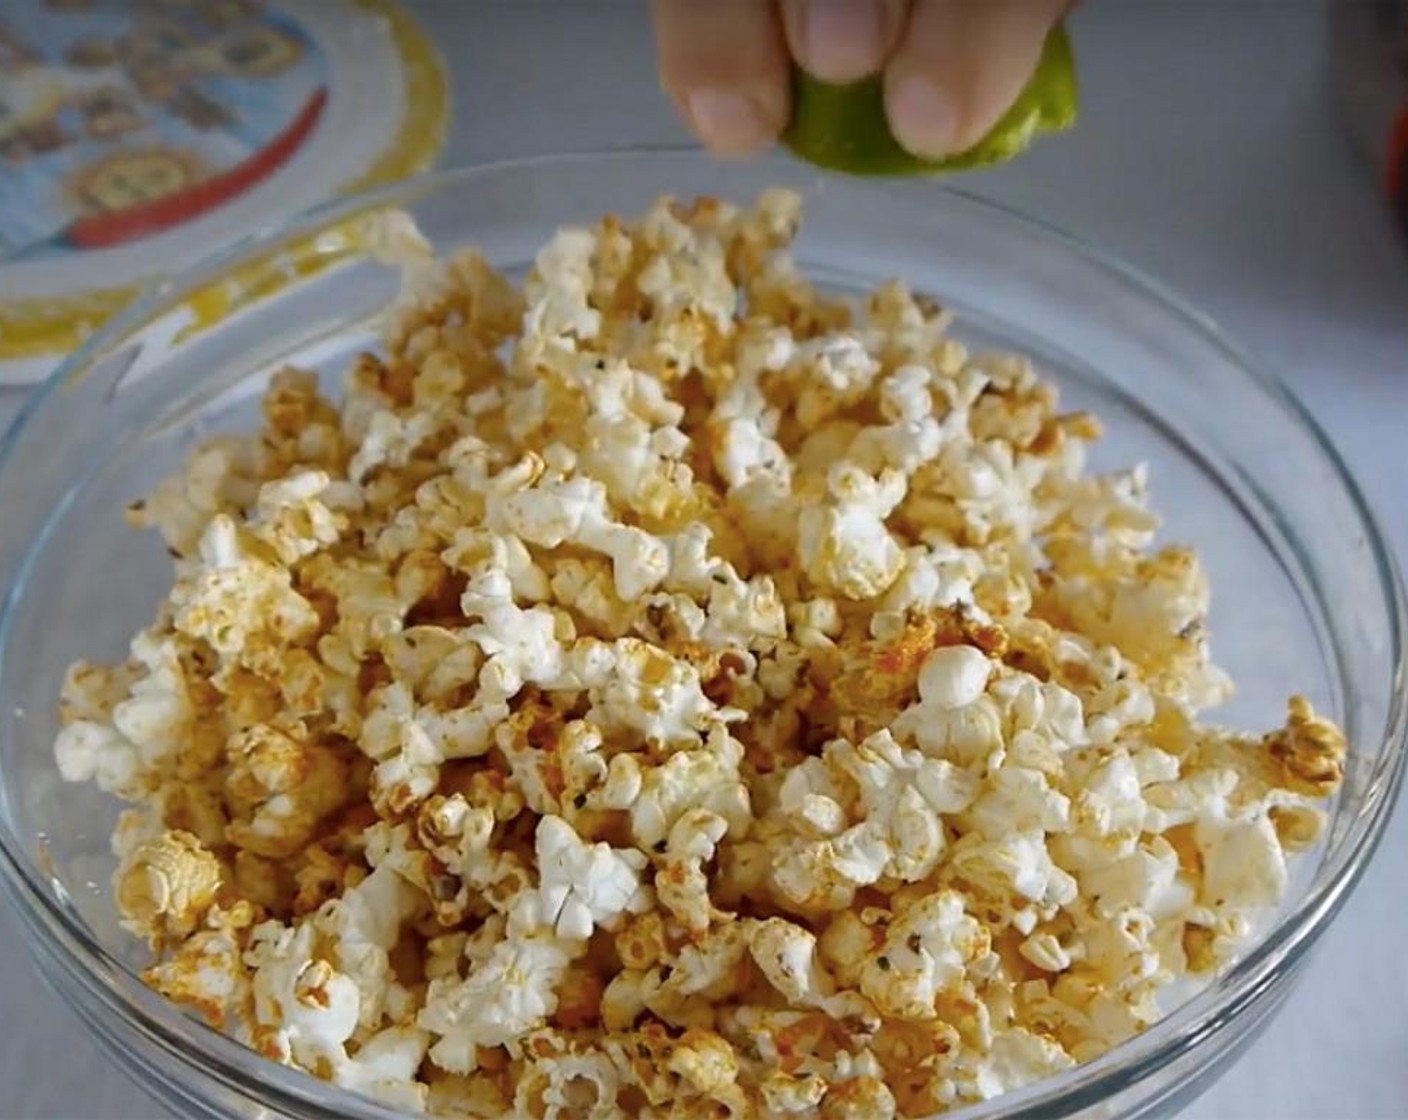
(844, 128)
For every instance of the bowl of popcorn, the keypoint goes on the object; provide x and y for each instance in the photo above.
(624, 635)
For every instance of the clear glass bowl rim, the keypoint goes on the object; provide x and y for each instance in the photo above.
(1196, 1023)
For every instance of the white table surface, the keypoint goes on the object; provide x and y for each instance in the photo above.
(1211, 154)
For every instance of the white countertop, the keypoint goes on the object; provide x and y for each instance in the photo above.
(1210, 153)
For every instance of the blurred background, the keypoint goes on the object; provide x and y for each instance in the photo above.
(1213, 153)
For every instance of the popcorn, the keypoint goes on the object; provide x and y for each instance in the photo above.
(510, 993)
(953, 677)
(291, 519)
(88, 751)
(825, 874)
(913, 436)
(811, 801)
(568, 1086)
(581, 886)
(705, 778)
(364, 925)
(165, 887)
(710, 968)
(933, 577)
(681, 883)
(521, 645)
(386, 1067)
(945, 723)
(312, 1008)
(216, 480)
(1310, 748)
(1022, 799)
(474, 549)
(432, 661)
(845, 546)
(459, 836)
(1016, 866)
(389, 441)
(131, 743)
(687, 272)
(746, 449)
(1019, 1058)
(708, 1064)
(654, 696)
(206, 971)
(787, 955)
(903, 796)
(1110, 800)
(1242, 860)
(559, 287)
(835, 371)
(1149, 879)
(1046, 952)
(245, 608)
(859, 1096)
(785, 1095)
(926, 952)
(658, 688)
(744, 613)
(278, 787)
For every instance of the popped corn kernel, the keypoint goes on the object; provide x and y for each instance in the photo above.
(1310, 748)
(569, 1087)
(953, 677)
(844, 545)
(681, 883)
(206, 971)
(581, 886)
(165, 887)
(245, 608)
(660, 688)
(927, 951)
(278, 788)
(503, 997)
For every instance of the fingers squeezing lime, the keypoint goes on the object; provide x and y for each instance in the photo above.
(844, 128)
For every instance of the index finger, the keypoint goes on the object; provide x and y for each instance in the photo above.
(725, 65)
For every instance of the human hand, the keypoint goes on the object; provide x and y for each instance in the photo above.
(951, 67)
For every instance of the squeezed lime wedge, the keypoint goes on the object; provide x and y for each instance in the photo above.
(844, 128)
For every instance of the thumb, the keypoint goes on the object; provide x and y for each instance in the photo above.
(960, 65)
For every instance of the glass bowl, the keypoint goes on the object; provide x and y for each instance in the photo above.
(1306, 597)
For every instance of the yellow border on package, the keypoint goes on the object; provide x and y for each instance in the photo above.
(38, 327)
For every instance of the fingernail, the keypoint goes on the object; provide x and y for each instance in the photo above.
(922, 117)
(843, 40)
(730, 122)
